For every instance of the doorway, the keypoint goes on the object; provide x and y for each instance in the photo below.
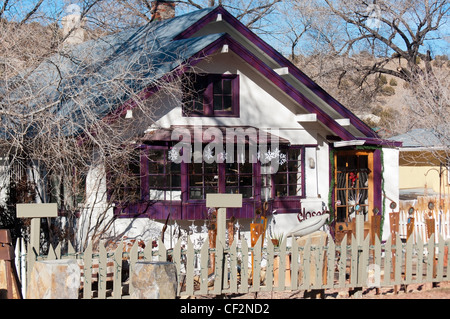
(353, 192)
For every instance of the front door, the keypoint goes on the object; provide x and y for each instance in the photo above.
(353, 192)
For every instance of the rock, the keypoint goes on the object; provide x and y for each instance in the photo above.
(153, 280)
(54, 279)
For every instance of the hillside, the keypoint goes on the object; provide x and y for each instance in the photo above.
(382, 101)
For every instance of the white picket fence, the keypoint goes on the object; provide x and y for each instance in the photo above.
(441, 225)
(244, 269)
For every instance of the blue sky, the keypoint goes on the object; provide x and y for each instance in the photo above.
(439, 42)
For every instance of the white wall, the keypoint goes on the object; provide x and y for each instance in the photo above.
(391, 185)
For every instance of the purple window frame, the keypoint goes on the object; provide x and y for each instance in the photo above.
(187, 208)
(205, 84)
(290, 173)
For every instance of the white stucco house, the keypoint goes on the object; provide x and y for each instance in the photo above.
(326, 158)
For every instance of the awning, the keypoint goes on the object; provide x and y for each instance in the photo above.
(208, 134)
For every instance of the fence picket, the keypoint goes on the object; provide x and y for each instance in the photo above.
(305, 259)
(420, 259)
(364, 262)
(52, 253)
(162, 251)
(204, 256)
(256, 271)
(398, 261)
(218, 269)
(331, 255)
(294, 265)
(354, 262)
(387, 262)
(317, 252)
(70, 251)
(87, 271)
(117, 274)
(233, 267)
(177, 260)
(270, 267)
(440, 259)
(244, 267)
(447, 247)
(430, 258)
(282, 267)
(148, 250)
(190, 267)
(102, 271)
(134, 257)
(377, 260)
(408, 261)
(343, 261)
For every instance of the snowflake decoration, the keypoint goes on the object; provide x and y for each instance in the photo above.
(237, 226)
(173, 155)
(282, 158)
(269, 156)
(193, 228)
(207, 153)
(222, 156)
(204, 228)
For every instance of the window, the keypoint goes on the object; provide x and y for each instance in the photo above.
(288, 180)
(203, 179)
(352, 185)
(163, 176)
(124, 182)
(211, 95)
(239, 177)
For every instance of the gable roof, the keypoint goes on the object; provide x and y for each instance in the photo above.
(282, 62)
(420, 139)
(92, 72)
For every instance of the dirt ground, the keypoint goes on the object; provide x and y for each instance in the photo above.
(414, 291)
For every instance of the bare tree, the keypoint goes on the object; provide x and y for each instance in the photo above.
(62, 129)
(429, 108)
(392, 31)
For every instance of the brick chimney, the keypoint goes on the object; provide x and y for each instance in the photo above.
(163, 10)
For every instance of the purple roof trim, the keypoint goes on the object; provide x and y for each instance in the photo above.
(286, 87)
(279, 58)
(381, 142)
(255, 62)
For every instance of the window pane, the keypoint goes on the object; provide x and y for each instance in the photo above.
(210, 168)
(341, 214)
(281, 190)
(247, 192)
(231, 180)
(227, 103)
(232, 190)
(195, 180)
(218, 104)
(195, 193)
(226, 87)
(294, 178)
(246, 181)
(352, 162)
(231, 168)
(205, 93)
(198, 104)
(217, 87)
